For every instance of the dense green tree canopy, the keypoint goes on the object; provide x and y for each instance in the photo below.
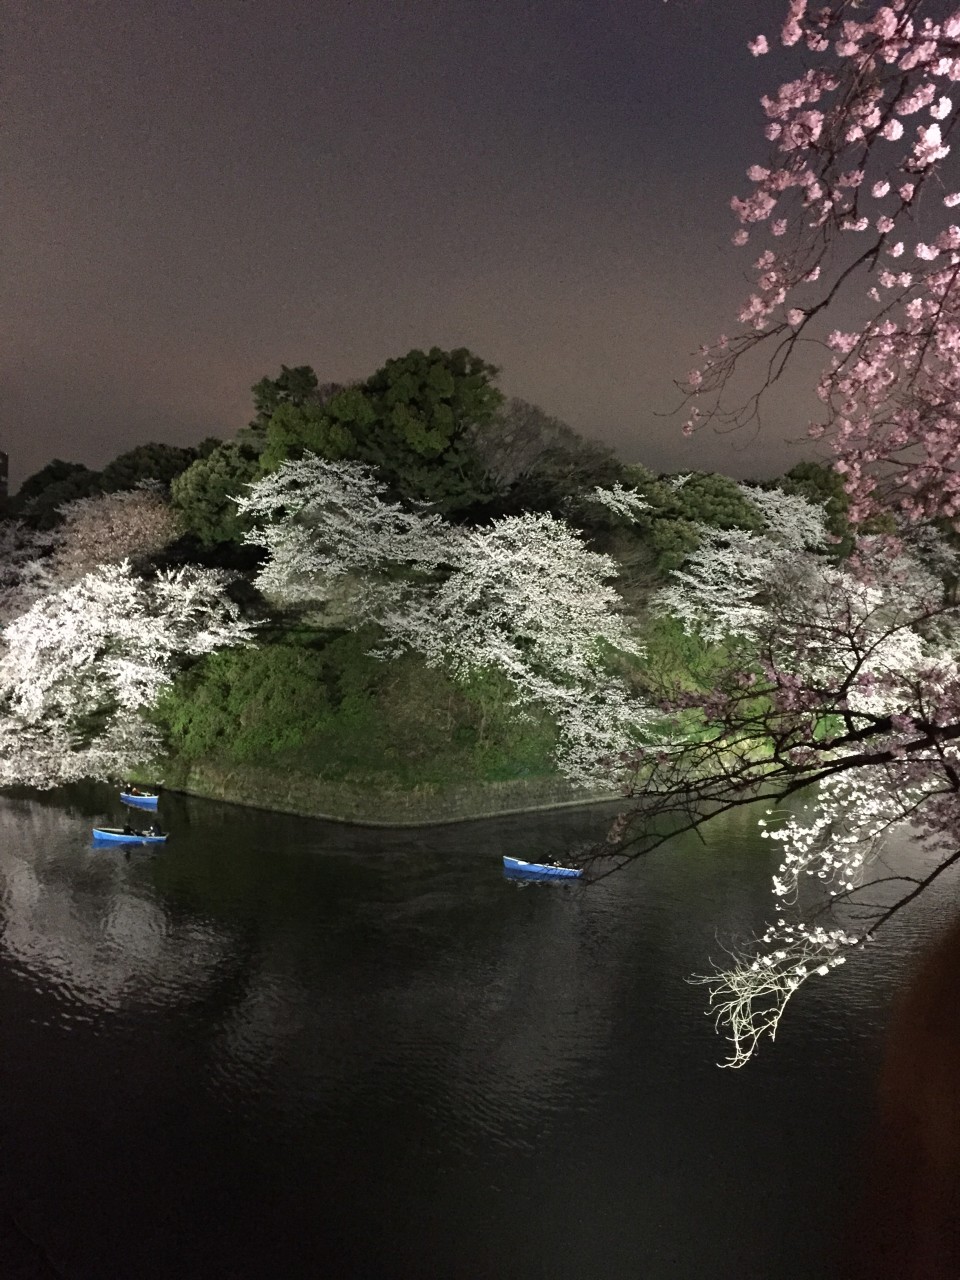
(709, 498)
(313, 427)
(294, 388)
(412, 421)
(678, 504)
(41, 495)
(149, 463)
(204, 493)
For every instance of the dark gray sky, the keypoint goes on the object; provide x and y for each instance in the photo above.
(199, 190)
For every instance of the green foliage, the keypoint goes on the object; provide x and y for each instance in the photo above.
(236, 704)
(676, 659)
(295, 387)
(410, 421)
(505, 743)
(670, 524)
(708, 498)
(147, 463)
(672, 540)
(427, 400)
(314, 428)
(327, 708)
(203, 493)
(39, 498)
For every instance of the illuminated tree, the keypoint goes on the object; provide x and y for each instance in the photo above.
(524, 595)
(24, 567)
(413, 421)
(108, 528)
(841, 679)
(79, 667)
(857, 193)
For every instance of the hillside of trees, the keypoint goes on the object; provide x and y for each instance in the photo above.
(422, 493)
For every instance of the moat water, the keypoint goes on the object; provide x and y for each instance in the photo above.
(279, 1047)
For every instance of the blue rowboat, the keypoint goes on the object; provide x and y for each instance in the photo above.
(117, 835)
(542, 870)
(140, 799)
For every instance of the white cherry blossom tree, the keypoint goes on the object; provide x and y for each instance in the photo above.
(524, 596)
(834, 671)
(319, 521)
(25, 572)
(82, 663)
(841, 679)
(110, 527)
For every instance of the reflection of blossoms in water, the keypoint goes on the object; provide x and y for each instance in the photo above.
(99, 939)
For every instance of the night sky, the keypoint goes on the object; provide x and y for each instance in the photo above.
(197, 192)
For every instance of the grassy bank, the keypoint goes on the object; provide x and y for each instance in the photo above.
(314, 725)
(310, 723)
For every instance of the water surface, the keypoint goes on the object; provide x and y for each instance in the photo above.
(279, 1047)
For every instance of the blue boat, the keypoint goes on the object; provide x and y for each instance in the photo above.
(117, 835)
(140, 799)
(542, 870)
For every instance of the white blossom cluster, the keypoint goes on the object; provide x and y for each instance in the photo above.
(791, 521)
(110, 527)
(621, 501)
(523, 596)
(24, 567)
(81, 663)
(831, 845)
(721, 587)
(830, 624)
(748, 999)
(872, 641)
(841, 630)
(319, 520)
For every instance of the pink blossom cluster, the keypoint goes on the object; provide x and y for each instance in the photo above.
(858, 147)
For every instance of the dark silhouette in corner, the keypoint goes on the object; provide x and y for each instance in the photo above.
(907, 1223)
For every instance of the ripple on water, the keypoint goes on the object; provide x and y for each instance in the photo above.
(309, 1021)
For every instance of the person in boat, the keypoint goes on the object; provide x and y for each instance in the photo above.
(127, 829)
(153, 830)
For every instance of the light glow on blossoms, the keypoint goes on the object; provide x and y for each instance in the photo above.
(524, 596)
(842, 682)
(25, 570)
(82, 663)
(837, 132)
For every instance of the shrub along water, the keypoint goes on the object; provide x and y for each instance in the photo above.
(320, 706)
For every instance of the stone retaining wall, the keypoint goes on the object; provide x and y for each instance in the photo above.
(366, 805)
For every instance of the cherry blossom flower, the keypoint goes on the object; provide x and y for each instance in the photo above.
(868, 646)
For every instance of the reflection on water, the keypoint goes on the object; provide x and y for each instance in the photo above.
(283, 1047)
(85, 925)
